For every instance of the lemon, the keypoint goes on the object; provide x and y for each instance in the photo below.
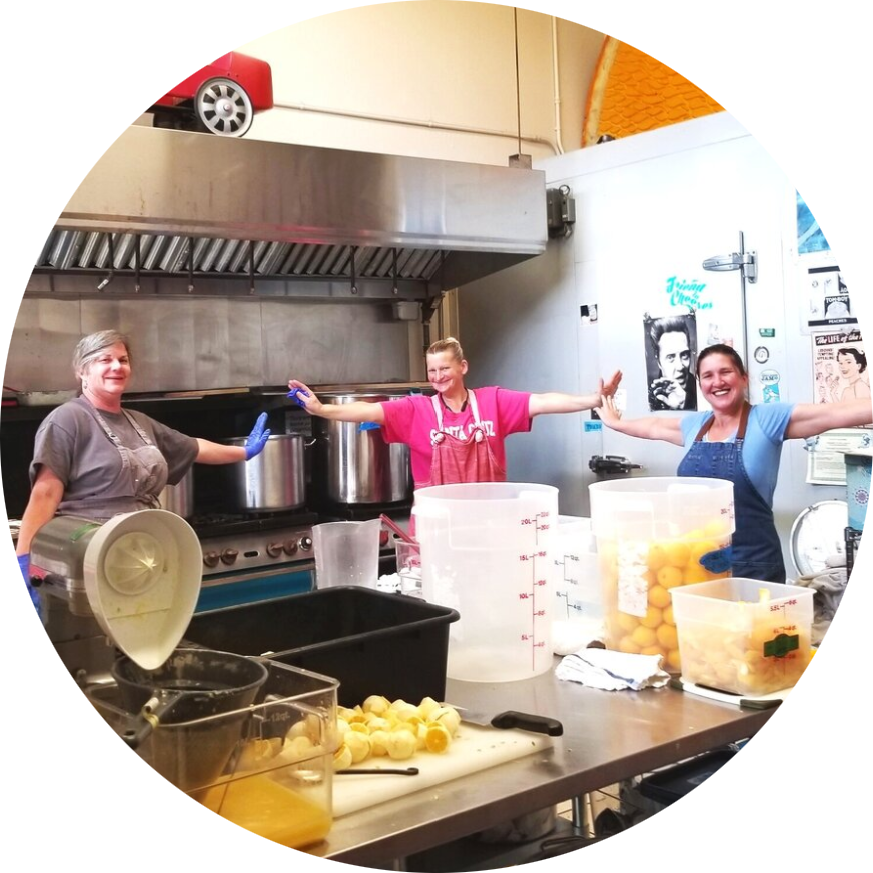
(659, 596)
(669, 577)
(677, 554)
(652, 618)
(668, 636)
(667, 615)
(626, 621)
(673, 659)
(437, 738)
(657, 557)
(644, 636)
(626, 644)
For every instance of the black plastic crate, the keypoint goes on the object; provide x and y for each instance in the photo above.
(371, 641)
(668, 786)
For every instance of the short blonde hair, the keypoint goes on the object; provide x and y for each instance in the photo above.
(449, 344)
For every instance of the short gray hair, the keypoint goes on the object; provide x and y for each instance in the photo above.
(90, 347)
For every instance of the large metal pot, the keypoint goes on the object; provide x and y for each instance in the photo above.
(352, 464)
(274, 480)
(179, 498)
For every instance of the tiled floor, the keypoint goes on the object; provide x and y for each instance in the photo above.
(860, 827)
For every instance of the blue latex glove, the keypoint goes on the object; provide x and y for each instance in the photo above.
(295, 395)
(21, 597)
(368, 425)
(257, 439)
(718, 561)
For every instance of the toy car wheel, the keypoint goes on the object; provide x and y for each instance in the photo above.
(40, 83)
(223, 107)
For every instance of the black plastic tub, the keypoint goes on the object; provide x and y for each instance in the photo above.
(668, 786)
(372, 642)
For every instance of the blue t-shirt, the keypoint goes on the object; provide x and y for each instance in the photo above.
(762, 449)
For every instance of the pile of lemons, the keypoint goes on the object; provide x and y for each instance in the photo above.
(645, 624)
(380, 728)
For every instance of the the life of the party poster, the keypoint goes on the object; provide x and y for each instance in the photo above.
(840, 373)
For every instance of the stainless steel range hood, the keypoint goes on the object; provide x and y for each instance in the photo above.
(165, 202)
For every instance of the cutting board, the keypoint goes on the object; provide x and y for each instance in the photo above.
(472, 750)
(828, 681)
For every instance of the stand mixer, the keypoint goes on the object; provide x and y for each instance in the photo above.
(130, 584)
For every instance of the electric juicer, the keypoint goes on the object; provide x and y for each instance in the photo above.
(129, 584)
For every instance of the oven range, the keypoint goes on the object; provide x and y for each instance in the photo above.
(246, 542)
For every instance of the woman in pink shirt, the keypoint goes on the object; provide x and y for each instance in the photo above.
(457, 435)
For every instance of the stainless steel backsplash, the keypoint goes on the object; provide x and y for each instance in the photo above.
(181, 344)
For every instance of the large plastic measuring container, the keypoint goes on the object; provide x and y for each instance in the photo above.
(486, 550)
(578, 617)
(654, 534)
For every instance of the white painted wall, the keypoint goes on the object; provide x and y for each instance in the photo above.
(648, 208)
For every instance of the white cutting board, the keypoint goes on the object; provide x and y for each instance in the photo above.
(473, 749)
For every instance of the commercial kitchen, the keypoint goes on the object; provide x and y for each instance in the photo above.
(384, 254)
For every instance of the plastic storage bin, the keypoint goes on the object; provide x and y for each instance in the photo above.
(371, 641)
(655, 534)
(743, 636)
(741, 812)
(272, 761)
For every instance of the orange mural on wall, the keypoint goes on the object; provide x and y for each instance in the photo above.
(665, 61)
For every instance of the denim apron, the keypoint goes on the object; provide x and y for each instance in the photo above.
(755, 546)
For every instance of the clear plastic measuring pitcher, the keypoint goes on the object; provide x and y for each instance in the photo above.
(346, 553)
(486, 550)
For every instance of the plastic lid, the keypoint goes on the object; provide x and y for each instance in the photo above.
(142, 576)
(732, 788)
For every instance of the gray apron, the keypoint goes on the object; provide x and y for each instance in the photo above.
(146, 467)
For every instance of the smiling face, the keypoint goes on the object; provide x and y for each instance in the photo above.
(721, 382)
(849, 368)
(674, 357)
(445, 373)
(106, 375)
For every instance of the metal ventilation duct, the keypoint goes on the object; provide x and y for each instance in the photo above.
(177, 203)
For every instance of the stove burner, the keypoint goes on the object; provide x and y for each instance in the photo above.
(227, 524)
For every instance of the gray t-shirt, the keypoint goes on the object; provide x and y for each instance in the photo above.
(73, 445)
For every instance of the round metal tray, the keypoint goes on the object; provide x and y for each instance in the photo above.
(819, 533)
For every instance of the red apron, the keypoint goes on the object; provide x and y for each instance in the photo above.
(455, 460)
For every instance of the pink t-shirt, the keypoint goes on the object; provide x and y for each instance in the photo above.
(411, 420)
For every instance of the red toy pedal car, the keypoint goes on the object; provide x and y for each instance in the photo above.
(52, 66)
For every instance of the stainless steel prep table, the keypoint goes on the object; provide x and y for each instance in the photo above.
(608, 736)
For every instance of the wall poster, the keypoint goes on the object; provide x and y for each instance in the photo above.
(671, 350)
(833, 186)
(840, 373)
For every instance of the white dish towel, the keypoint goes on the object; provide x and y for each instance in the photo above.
(612, 671)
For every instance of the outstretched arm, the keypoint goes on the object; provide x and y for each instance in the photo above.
(359, 411)
(667, 429)
(555, 401)
(811, 419)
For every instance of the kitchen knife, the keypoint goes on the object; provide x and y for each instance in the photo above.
(526, 721)
(767, 702)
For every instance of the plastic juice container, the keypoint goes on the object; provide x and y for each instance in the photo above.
(655, 534)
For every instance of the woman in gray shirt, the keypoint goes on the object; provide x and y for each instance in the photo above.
(95, 459)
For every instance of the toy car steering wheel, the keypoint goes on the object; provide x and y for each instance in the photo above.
(130, 30)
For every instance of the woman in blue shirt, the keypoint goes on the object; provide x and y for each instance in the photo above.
(741, 443)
